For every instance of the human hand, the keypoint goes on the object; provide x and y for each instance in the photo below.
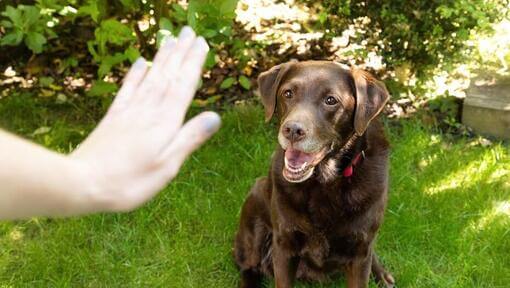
(141, 142)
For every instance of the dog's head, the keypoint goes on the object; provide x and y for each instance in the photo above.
(320, 105)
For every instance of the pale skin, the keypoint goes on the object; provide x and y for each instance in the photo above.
(136, 149)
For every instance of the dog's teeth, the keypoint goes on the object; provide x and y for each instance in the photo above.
(294, 170)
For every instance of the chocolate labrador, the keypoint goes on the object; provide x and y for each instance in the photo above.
(318, 211)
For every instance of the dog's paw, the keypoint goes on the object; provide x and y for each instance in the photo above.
(385, 280)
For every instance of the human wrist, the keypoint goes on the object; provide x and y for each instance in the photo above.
(93, 195)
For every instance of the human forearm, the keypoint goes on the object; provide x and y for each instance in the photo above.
(39, 182)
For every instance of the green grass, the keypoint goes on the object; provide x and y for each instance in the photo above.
(447, 223)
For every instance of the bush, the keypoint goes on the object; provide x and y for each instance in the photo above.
(25, 24)
(116, 34)
(423, 34)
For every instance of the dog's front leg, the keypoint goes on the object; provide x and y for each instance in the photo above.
(284, 263)
(358, 272)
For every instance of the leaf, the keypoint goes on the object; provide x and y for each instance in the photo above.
(165, 24)
(49, 4)
(120, 33)
(210, 60)
(41, 130)
(192, 19)
(132, 54)
(6, 24)
(12, 39)
(92, 51)
(463, 34)
(68, 62)
(61, 98)
(107, 62)
(71, 61)
(35, 41)
(226, 30)
(245, 82)
(50, 34)
(200, 103)
(160, 35)
(90, 9)
(179, 13)
(46, 93)
(55, 87)
(323, 16)
(13, 14)
(31, 16)
(46, 81)
(209, 33)
(228, 6)
(131, 4)
(114, 32)
(102, 88)
(227, 83)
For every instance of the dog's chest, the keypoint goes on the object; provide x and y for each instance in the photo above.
(333, 237)
(319, 248)
(326, 208)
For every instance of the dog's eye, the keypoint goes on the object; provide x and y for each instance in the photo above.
(330, 100)
(287, 94)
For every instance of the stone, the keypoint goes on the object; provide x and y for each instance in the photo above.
(486, 108)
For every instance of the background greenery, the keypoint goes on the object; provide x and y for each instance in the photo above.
(49, 41)
(448, 219)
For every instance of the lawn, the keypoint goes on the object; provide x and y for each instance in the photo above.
(447, 222)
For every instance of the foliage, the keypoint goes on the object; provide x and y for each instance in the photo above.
(211, 19)
(25, 24)
(112, 32)
(118, 36)
(421, 34)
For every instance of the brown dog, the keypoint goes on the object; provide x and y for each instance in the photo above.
(318, 211)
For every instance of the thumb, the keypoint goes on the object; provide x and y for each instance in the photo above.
(189, 138)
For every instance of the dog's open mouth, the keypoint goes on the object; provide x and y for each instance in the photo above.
(299, 165)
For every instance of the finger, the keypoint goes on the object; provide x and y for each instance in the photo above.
(164, 52)
(153, 84)
(179, 96)
(157, 80)
(130, 84)
(172, 66)
(189, 138)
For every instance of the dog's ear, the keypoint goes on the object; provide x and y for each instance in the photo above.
(269, 82)
(371, 96)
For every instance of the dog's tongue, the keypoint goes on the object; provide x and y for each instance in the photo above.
(296, 158)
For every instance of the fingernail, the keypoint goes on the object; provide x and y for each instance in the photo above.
(201, 44)
(168, 41)
(186, 33)
(139, 63)
(212, 123)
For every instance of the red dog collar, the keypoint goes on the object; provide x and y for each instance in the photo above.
(349, 170)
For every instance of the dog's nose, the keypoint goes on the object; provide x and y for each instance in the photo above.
(294, 131)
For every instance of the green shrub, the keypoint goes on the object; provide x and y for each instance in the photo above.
(112, 33)
(25, 25)
(117, 36)
(211, 19)
(423, 34)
